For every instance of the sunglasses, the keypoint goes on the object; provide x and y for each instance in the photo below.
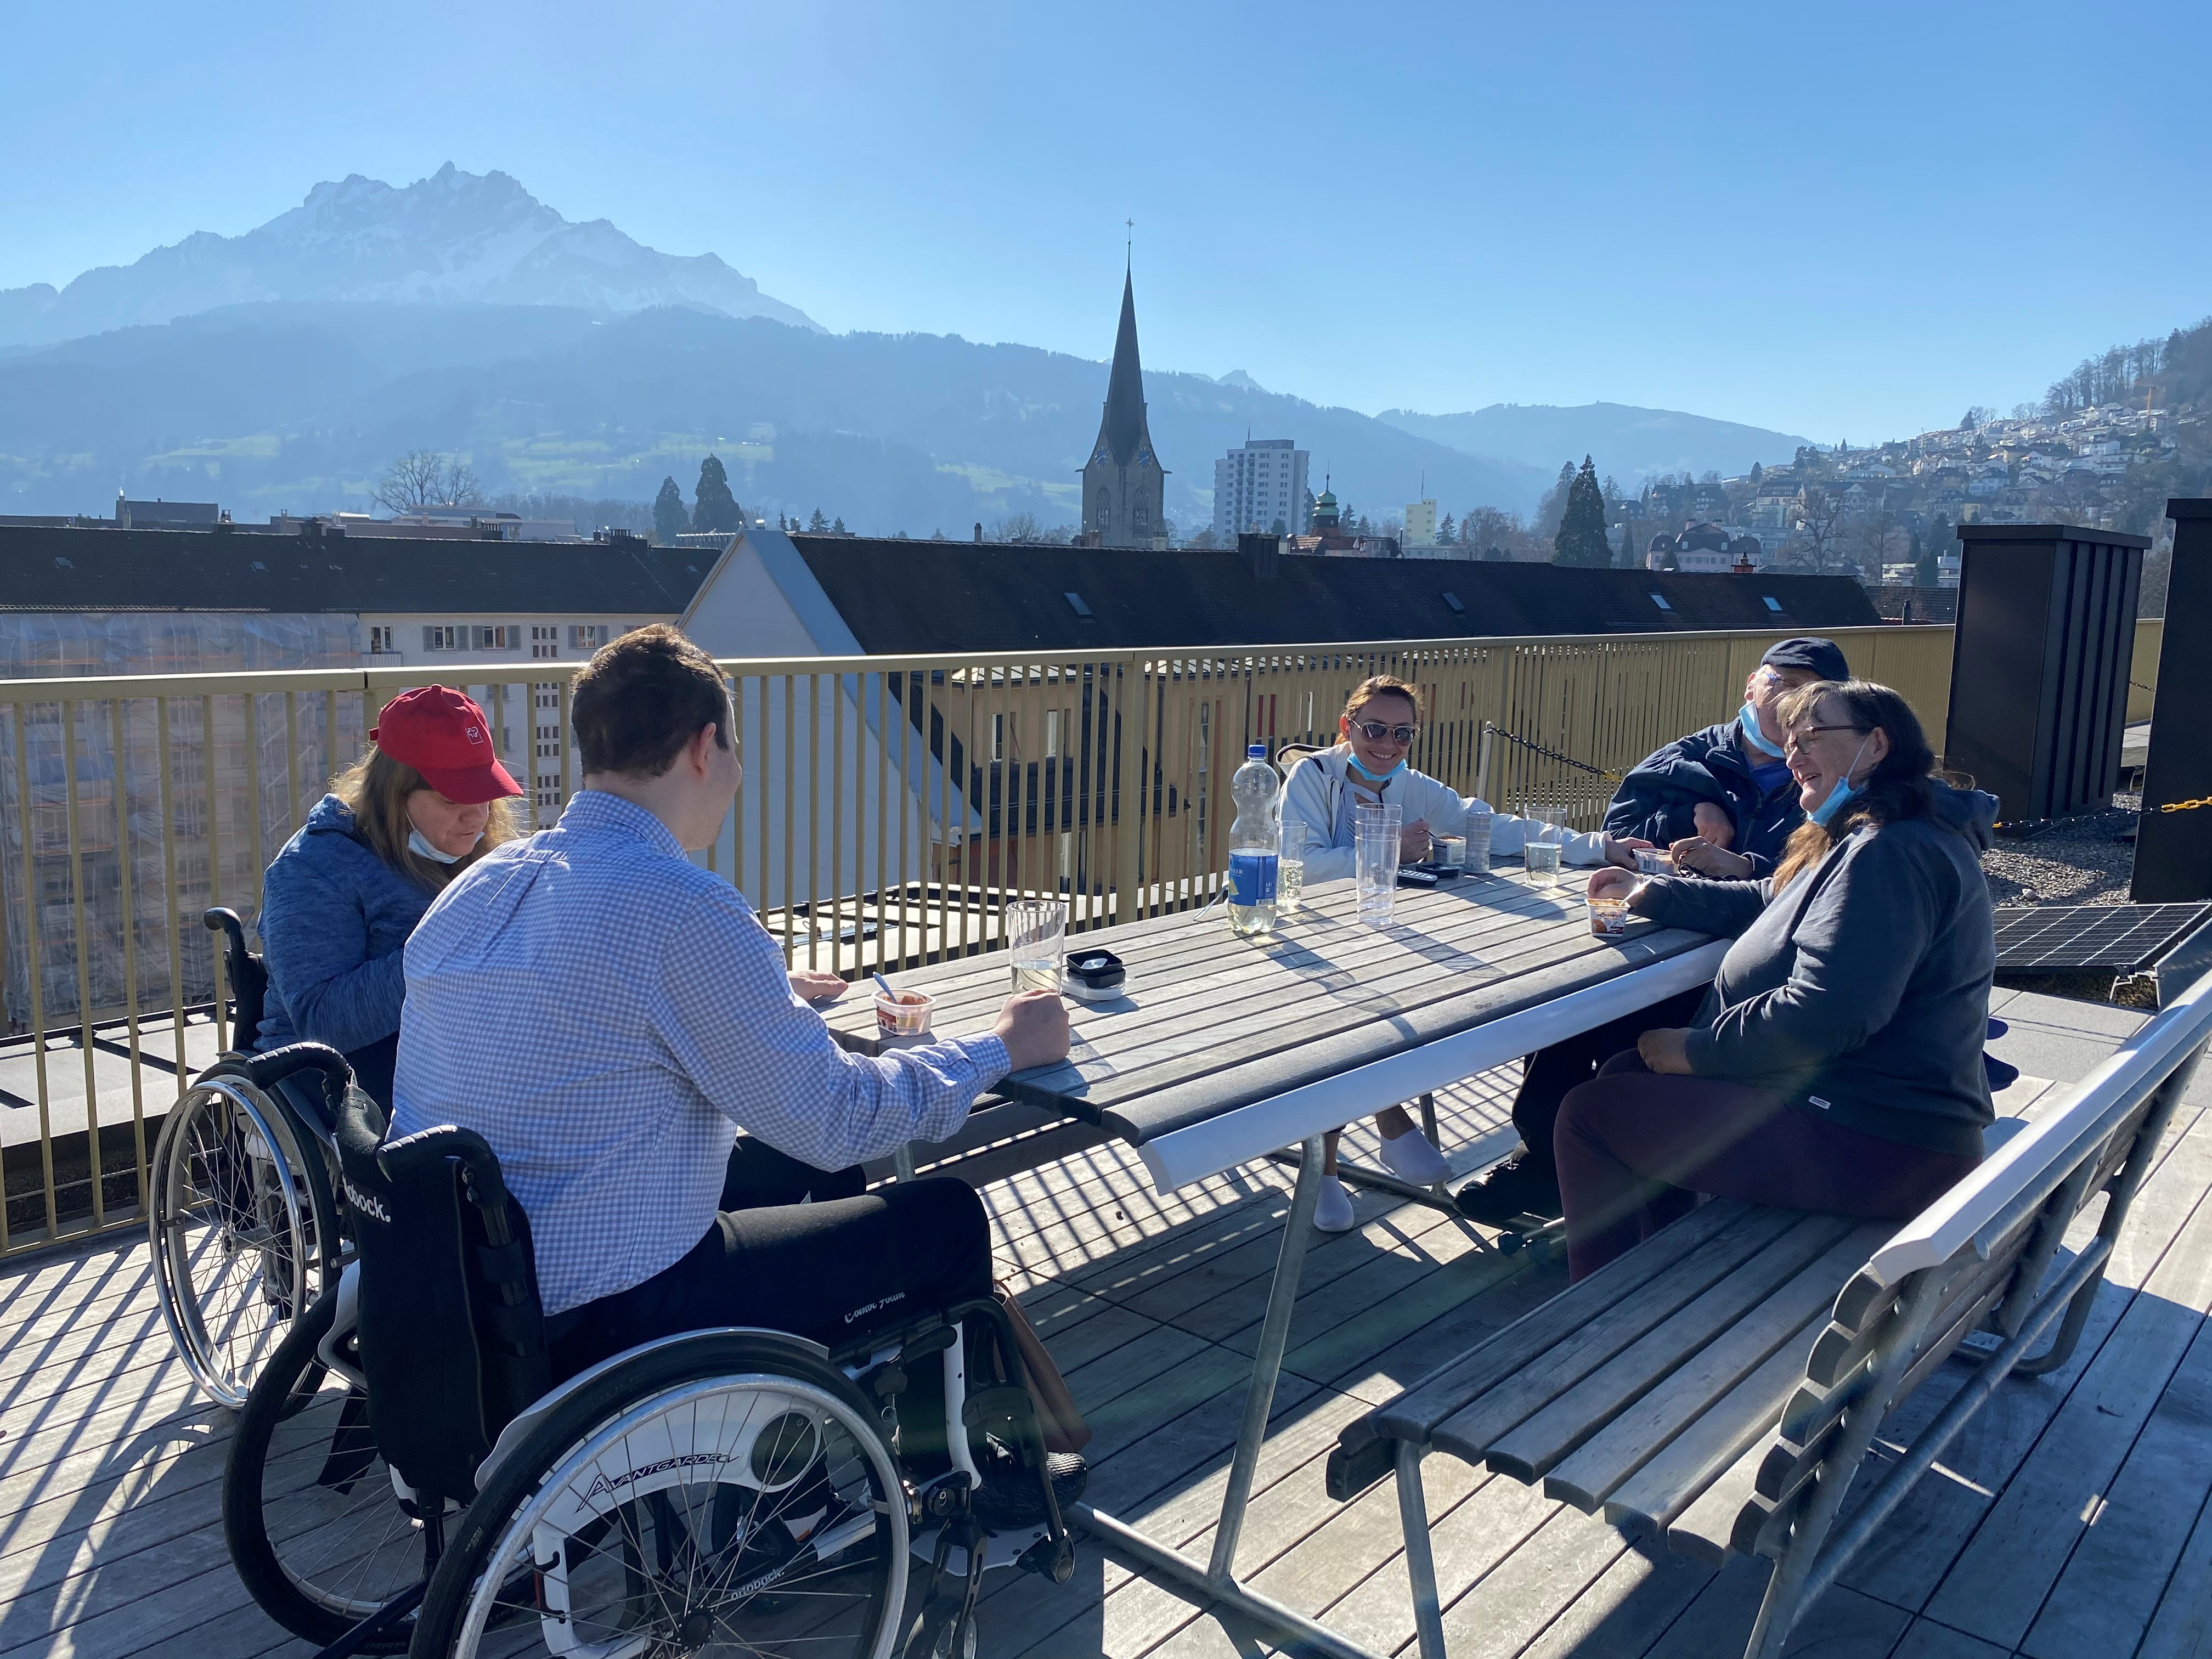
(1375, 731)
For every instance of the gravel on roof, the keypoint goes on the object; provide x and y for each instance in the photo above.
(2076, 860)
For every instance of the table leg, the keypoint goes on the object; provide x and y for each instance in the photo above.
(1216, 1579)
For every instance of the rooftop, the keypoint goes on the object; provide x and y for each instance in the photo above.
(2070, 1520)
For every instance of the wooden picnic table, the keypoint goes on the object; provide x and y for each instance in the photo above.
(1220, 1050)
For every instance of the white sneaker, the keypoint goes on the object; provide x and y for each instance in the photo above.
(1412, 1158)
(1333, 1209)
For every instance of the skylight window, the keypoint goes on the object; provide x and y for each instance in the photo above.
(257, 565)
(60, 564)
(1075, 604)
(1452, 599)
(1660, 599)
(1773, 604)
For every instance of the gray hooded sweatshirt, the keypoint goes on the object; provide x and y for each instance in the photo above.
(1861, 993)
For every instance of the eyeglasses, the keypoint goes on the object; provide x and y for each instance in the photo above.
(1796, 736)
(1375, 731)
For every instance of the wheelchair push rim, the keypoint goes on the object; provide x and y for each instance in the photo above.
(237, 1236)
(636, 1542)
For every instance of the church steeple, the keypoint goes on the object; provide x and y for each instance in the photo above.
(1123, 484)
(1123, 429)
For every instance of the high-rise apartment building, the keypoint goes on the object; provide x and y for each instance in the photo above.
(1261, 487)
(1421, 523)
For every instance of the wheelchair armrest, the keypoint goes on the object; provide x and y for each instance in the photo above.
(487, 1187)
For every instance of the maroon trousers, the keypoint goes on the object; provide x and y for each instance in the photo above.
(1635, 1148)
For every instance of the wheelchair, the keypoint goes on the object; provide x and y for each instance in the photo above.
(242, 1213)
(405, 1474)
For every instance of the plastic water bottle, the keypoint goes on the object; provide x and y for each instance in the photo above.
(1253, 840)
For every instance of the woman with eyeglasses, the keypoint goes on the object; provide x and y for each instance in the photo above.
(1323, 794)
(1835, 1063)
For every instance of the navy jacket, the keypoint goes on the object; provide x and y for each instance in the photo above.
(1861, 992)
(1658, 800)
(334, 918)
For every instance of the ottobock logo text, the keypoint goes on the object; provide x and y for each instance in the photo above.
(365, 1205)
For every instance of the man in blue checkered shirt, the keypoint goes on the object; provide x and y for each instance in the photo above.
(607, 1015)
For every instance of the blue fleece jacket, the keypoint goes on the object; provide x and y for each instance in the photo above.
(1658, 800)
(334, 917)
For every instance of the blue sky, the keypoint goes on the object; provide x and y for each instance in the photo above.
(1846, 222)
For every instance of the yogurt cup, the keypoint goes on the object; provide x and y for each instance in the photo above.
(1608, 917)
(907, 1016)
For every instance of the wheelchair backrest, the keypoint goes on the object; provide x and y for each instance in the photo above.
(451, 1332)
(248, 978)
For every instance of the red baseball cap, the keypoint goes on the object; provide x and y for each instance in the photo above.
(443, 735)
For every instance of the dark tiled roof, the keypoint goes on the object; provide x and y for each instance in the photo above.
(47, 568)
(915, 596)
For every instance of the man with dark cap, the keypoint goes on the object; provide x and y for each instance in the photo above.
(1728, 785)
(1722, 802)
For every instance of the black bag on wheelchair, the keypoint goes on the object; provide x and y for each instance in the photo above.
(452, 1339)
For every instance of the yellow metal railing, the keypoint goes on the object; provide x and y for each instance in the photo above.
(891, 807)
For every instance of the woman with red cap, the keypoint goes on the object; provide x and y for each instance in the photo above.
(337, 904)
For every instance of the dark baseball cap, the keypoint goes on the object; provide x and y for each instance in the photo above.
(1823, 657)
(442, 734)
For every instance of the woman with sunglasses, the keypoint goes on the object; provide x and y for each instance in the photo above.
(1323, 795)
(1835, 1063)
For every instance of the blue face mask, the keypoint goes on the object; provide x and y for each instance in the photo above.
(1371, 778)
(1747, 722)
(1844, 790)
(420, 845)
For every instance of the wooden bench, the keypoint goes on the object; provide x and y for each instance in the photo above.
(1719, 1384)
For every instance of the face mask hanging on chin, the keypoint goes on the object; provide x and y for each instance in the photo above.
(418, 844)
(1746, 721)
(1369, 777)
(1844, 790)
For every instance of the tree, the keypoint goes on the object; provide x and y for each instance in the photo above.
(837, 527)
(670, 520)
(1925, 571)
(1819, 523)
(817, 524)
(1204, 538)
(1581, 538)
(1447, 532)
(1554, 505)
(424, 478)
(1757, 473)
(713, 507)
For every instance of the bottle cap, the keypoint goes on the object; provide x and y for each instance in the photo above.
(1256, 751)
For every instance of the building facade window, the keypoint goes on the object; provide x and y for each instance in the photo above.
(442, 638)
(545, 643)
(587, 636)
(380, 642)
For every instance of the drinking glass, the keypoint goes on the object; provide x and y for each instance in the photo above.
(1546, 838)
(1036, 938)
(1290, 868)
(1477, 857)
(1377, 833)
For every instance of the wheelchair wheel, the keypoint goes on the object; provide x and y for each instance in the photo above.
(727, 1494)
(243, 1230)
(315, 1526)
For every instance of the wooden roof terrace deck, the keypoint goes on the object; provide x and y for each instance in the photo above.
(2071, 1519)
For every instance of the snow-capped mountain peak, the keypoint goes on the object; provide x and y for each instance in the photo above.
(452, 236)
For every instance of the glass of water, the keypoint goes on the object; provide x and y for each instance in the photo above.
(1377, 836)
(1036, 938)
(1540, 852)
(1290, 868)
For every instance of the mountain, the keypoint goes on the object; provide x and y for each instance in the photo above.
(1631, 444)
(269, 406)
(453, 236)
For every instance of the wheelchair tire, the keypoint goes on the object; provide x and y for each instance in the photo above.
(553, 1557)
(243, 1231)
(314, 1526)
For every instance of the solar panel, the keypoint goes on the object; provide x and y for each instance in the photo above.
(2125, 938)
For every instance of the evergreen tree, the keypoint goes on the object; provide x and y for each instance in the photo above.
(1757, 473)
(669, 520)
(1582, 539)
(817, 524)
(714, 509)
(837, 527)
(1448, 532)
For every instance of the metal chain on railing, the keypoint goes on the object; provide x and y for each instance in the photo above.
(2185, 805)
(1533, 747)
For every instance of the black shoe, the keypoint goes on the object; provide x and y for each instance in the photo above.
(1009, 1498)
(1519, 1186)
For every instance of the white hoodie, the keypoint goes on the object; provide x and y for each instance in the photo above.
(1317, 794)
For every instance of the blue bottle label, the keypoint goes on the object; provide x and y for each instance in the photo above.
(1252, 877)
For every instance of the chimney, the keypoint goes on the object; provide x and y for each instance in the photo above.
(1262, 554)
(979, 531)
